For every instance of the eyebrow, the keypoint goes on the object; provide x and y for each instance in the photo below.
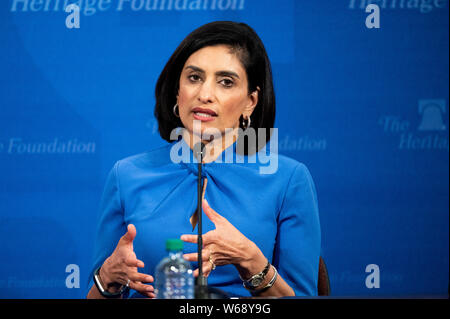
(219, 73)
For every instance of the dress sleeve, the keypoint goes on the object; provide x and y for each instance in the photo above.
(297, 248)
(111, 225)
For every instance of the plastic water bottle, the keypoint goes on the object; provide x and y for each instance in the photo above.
(173, 277)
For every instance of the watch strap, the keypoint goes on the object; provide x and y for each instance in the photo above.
(103, 291)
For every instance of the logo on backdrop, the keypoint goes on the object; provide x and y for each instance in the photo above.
(427, 132)
(432, 115)
(423, 6)
(22, 146)
(302, 143)
(91, 7)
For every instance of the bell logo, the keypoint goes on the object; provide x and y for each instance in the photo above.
(428, 134)
(431, 112)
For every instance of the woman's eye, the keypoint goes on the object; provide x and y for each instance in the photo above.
(194, 78)
(227, 82)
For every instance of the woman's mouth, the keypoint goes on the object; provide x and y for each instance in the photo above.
(204, 114)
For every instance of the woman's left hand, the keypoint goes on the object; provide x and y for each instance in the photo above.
(226, 245)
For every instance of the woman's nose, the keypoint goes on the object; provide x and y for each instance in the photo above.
(206, 93)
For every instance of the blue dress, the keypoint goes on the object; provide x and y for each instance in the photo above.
(278, 211)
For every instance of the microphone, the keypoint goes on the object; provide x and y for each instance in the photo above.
(199, 149)
(202, 291)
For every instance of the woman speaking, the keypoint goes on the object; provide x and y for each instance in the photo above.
(216, 87)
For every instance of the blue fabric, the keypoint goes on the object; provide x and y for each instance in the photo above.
(278, 212)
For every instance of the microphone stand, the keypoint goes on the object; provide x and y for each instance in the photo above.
(202, 291)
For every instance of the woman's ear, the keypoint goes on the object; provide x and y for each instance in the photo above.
(254, 96)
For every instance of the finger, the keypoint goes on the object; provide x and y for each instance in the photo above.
(129, 235)
(194, 256)
(189, 238)
(136, 276)
(133, 262)
(194, 217)
(191, 257)
(211, 213)
(141, 288)
(205, 182)
(207, 238)
(207, 267)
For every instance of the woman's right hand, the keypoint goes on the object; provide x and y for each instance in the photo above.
(123, 265)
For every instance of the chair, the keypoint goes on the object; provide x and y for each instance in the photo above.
(323, 284)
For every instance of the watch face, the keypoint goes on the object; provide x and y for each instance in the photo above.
(256, 282)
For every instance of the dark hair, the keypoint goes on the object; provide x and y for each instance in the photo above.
(251, 52)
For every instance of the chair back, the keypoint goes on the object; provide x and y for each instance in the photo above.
(323, 284)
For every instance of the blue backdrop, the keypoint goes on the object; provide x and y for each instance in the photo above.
(366, 109)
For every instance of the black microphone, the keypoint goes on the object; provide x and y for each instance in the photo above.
(202, 291)
(199, 150)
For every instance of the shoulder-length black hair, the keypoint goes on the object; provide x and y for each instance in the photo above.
(250, 50)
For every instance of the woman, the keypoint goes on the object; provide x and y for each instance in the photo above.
(262, 226)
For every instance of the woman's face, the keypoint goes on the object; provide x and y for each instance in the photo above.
(213, 80)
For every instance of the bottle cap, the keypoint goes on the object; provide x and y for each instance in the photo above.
(174, 244)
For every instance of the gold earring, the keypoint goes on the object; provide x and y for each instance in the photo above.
(174, 112)
(244, 126)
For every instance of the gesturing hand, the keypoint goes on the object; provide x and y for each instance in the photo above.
(224, 245)
(123, 265)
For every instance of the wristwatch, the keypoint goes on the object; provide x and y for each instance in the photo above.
(105, 293)
(256, 280)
